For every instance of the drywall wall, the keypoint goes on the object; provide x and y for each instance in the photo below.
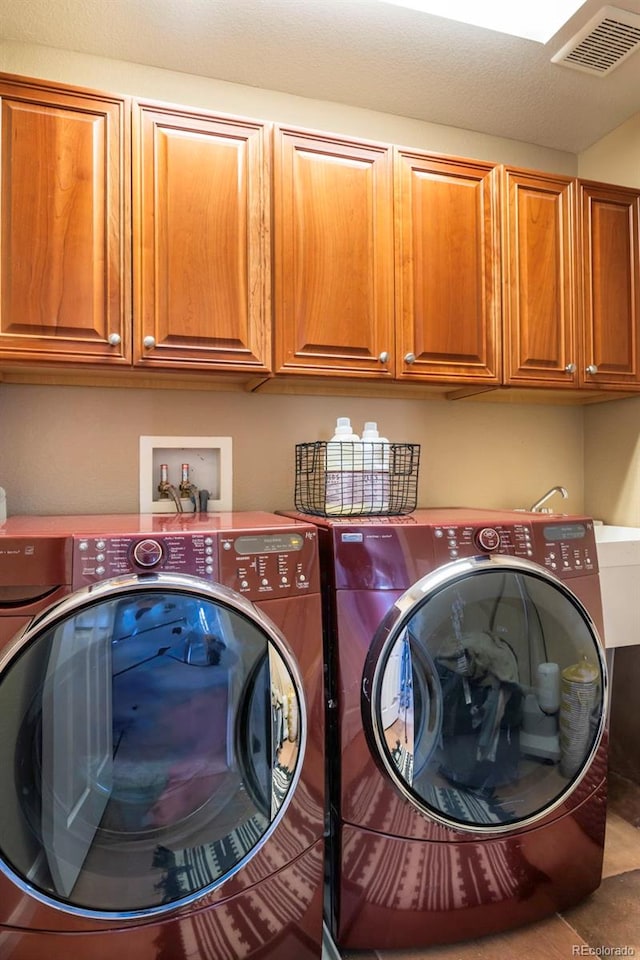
(75, 449)
(136, 80)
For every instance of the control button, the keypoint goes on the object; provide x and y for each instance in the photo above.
(284, 580)
(208, 550)
(438, 533)
(100, 544)
(453, 553)
(226, 546)
(452, 543)
(264, 582)
(100, 557)
(208, 568)
(529, 553)
(208, 540)
(553, 565)
(147, 553)
(99, 571)
(451, 533)
(244, 584)
(488, 539)
(302, 578)
(83, 545)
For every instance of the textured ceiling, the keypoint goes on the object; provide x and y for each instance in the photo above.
(361, 52)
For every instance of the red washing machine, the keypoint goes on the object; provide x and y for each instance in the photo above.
(161, 706)
(467, 752)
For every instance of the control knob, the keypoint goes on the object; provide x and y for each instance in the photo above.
(488, 539)
(147, 553)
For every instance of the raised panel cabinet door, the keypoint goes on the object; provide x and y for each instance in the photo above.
(610, 285)
(64, 248)
(201, 240)
(447, 269)
(538, 256)
(333, 262)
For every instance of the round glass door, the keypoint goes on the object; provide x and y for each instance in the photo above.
(152, 734)
(487, 686)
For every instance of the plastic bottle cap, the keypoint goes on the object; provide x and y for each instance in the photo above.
(343, 425)
(370, 430)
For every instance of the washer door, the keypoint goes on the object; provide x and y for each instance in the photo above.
(153, 731)
(484, 694)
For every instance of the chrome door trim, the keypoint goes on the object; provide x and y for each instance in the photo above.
(197, 587)
(397, 619)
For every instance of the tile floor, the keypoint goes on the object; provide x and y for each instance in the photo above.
(608, 920)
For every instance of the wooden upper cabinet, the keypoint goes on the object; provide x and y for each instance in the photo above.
(333, 255)
(201, 240)
(64, 247)
(609, 228)
(447, 269)
(540, 345)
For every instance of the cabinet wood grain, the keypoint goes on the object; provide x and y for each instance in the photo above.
(333, 256)
(201, 240)
(539, 258)
(65, 239)
(609, 223)
(447, 269)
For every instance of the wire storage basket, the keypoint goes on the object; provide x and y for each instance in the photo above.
(356, 479)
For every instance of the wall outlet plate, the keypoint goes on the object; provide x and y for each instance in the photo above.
(210, 468)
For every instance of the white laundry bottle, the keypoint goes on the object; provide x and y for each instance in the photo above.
(343, 479)
(376, 457)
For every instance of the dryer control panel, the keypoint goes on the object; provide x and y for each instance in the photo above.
(565, 547)
(98, 558)
(451, 542)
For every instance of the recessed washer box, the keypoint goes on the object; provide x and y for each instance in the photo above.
(210, 468)
(619, 561)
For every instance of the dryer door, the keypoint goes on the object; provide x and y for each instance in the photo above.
(152, 733)
(484, 693)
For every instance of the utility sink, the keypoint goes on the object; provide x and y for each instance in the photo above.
(619, 561)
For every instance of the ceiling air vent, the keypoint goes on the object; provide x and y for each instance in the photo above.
(606, 40)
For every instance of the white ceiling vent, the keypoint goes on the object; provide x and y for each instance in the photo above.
(606, 40)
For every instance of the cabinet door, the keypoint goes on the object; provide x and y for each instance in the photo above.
(64, 242)
(540, 344)
(610, 285)
(201, 240)
(447, 269)
(333, 221)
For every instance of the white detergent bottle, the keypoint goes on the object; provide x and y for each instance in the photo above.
(376, 456)
(343, 492)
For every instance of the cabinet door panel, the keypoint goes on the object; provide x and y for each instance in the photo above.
(333, 255)
(64, 249)
(201, 240)
(538, 261)
(610, 220)
(447, 292)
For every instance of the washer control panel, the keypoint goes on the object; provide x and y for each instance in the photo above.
(98, 558)
(269, 564)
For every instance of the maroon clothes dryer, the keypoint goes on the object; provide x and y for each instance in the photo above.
(161, 706)
(466, 722)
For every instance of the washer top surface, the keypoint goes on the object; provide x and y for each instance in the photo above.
(434, 516)
(134, 523)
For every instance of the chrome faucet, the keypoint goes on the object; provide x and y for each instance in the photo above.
(537, 506)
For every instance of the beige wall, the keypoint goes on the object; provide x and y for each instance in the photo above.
(75, 449)
(70, 449)
(136, 80)
(612, 430)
